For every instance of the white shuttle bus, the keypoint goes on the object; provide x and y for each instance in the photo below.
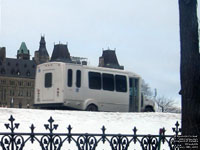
(68, 85)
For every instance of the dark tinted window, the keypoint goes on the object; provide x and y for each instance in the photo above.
(48, 80)
(94, 80)
(69, 78)
(78, 78)
(121, 84)
(108, 82)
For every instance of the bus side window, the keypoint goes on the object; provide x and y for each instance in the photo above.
(108, 82)
(121, 83)
(48, 80)
(78, 78)
(94, 80)
(69, 78)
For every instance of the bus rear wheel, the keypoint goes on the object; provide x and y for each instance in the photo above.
(92, 107)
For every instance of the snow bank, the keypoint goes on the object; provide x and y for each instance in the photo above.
(90, 122)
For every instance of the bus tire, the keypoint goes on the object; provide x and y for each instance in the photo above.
(91, 107)
(149, 109)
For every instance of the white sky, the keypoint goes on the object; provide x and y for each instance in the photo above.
(145, 33)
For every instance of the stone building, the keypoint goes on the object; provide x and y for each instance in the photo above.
(17, 76)
(17, 79)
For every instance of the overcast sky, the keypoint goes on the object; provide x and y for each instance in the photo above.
(145, 33)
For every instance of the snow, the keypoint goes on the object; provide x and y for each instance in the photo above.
(90, 122)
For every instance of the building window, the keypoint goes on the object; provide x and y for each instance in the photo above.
(3, 71)
(20, 92)
(69, 78)
(4, 94)
(12, 71)
(28, 73)
(108, 82)
(12, 93)
(28, 83)
(94, 80)
(48, 80)
(20, 83)
(12, 82)
(3, 82)
(18, 72)
(78, 78)
(121, 83)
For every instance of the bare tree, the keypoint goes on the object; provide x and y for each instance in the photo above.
(166, 104)
(146, 90)
(190, 67)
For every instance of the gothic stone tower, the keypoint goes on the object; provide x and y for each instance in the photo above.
(41, 56)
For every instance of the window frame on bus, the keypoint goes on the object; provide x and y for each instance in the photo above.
(69, 77)
(94, 84)
(78, 78)
(108, 81)
(119, 87)
(48, 78)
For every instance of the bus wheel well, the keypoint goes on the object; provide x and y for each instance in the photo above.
(149, 108)
(91, 107)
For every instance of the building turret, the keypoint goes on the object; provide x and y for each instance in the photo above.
(109, 60)
(2, 53)
(23, 52)
(61, 53)
(42, 56)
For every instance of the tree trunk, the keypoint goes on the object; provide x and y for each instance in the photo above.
(190, 67)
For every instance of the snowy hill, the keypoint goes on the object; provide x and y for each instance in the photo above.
(90, 122)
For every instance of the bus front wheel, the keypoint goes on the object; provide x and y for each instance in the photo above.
(92, 107)
(149, 109)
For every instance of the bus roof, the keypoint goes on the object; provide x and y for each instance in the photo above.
(129, 73)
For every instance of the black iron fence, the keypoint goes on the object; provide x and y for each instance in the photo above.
(13, 140)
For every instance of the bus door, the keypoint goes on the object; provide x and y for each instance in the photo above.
(74, 84)
(49, 86)
(133, 95)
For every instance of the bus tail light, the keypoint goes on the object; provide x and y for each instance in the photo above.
(58, 92)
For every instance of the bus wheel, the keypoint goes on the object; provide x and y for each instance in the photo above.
(92, 107)
(149, 109)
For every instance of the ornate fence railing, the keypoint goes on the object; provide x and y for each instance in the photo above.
(13, 140)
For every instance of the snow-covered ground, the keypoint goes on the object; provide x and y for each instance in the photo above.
(81, 121)
(90, 122)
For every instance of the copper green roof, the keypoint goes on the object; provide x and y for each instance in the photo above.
(23, 49)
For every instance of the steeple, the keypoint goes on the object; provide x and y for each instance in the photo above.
(42, 49)
(23, 52)
(41, 56)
